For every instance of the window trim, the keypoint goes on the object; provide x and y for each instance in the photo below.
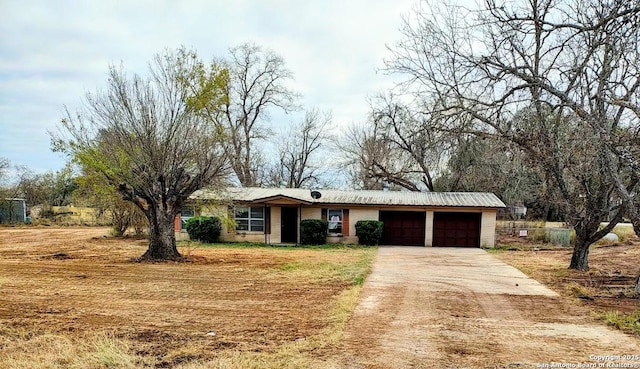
(249, 218)
(339, 222)
(185, 218)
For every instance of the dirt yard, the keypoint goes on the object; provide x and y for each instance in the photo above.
(72, 282)
(73, 298)
(606, 286)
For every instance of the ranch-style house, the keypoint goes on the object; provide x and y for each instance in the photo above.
(273, 215)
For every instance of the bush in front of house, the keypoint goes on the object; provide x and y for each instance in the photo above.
(369, 232)
(313, 232)
(204, 229)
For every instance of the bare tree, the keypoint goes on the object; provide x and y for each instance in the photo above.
(397, 148)
(257, 84)
(49, 188)
(410, 133)
(149, 138)
(355, 147)
(299, 164)
(96, 192)
(4, 165)
(567, 70)
(479, 164)
(371, 162)
(8, 191)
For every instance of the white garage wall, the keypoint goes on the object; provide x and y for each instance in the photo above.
(488, 229)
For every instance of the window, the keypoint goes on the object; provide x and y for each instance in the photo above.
(334, 216)
(249, 218)
(185, 214)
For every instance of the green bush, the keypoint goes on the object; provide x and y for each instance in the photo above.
(204, 229)
(369, 232)
(313, 232)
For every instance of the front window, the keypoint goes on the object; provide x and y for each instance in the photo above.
(249, 218)
(185, 214)
(334, 216)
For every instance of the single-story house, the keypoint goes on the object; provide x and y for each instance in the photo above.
(273, 215)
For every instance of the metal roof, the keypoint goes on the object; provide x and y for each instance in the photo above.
(356, 197)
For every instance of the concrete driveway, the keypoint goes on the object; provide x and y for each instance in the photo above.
(463, 308)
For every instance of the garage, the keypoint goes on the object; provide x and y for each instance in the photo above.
(406, 228)
(456, 229)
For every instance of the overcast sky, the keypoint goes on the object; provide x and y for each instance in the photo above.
(52, 51)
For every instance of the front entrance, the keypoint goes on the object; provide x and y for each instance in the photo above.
(289, 225)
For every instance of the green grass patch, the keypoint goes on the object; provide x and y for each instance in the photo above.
(262, 245)
(343, 270)
(626, 322)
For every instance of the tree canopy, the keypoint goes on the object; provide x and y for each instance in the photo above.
(150, 138)
(558, 79)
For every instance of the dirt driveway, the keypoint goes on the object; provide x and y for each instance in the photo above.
(463, 308)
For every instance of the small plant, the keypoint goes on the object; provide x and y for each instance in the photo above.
(627, 322)
(579, 291)
(369, 232)
(204, 229)
(313, 232)
(111, 353)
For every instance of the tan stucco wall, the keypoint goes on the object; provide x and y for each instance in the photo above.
(311, 213)
(428, 234)
(276, 225)
(356, 214)
(488, 229)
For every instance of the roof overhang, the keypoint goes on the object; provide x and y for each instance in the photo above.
(281, 199)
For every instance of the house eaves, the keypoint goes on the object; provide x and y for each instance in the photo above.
(362, 197)
(280, 198)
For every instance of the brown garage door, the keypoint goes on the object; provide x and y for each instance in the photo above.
(456, 229)
(405, 228)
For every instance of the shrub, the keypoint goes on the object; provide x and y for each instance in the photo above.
(369, 232)
(204, 229)
(313, 232)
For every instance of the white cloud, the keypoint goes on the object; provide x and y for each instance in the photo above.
(52, 51)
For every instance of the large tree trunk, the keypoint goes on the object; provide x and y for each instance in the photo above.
(636, 229)
(584, 239)
(162, 237)
(636, 226)
(580, 257)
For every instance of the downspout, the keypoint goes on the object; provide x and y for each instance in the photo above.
(267, 224)
(298, 224)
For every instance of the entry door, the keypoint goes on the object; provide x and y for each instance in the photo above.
(289, 225)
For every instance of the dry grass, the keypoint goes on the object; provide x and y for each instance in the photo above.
(95, 308)
(53, 351)
(302, 353)
(604, 292)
